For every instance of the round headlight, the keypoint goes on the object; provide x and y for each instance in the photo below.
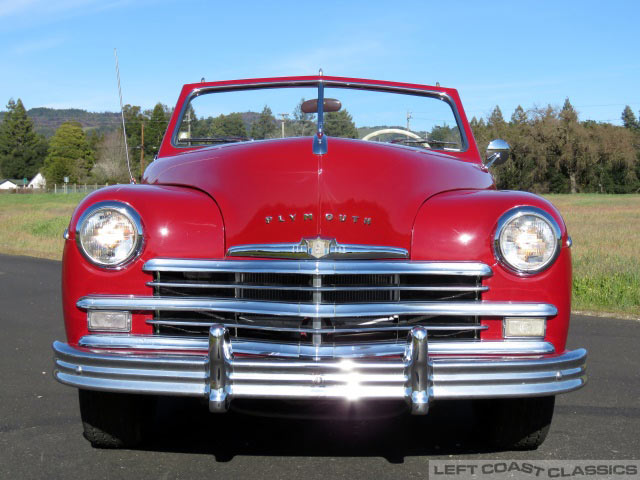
(527, 240)
(109, 234)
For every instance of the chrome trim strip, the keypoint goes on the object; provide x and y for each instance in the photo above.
(417, 377)
(246, 286)
(155, 374)
(301, 250)
(337, 330)
(448, 347)
(321, 310)
(490, 378)
(318, 267)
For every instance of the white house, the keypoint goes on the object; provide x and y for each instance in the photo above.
(7, 185)
(37, 182)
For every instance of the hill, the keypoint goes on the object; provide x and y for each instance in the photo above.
(47, 120)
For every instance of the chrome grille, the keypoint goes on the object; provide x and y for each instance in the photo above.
(317, 302)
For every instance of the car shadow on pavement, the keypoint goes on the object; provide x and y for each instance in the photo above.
(186, 426)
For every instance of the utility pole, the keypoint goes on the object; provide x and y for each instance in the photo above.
(284, 117)
(142, 150)
(189, 123)
(409, 117)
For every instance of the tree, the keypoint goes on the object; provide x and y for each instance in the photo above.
(265, 125)
(519, 116)
(576, 152)
(133, 118)
(496, 119)
(228, 126)
(340, 124)
(301, 124)
(69, 155)
(568, 113)
(111, 163)
(629, 119)
(22, 151)
(154, 129)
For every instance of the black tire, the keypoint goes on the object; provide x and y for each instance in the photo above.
(115, 420)
(514, 423)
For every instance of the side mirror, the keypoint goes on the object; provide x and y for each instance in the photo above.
(497, 152)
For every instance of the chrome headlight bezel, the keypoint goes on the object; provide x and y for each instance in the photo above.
(123, 209)
(514, 214)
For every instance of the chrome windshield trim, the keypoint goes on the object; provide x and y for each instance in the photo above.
(337, 82)
(457, 347)
(317, 310)
(318, 267)
(298, 288)
(302, 250)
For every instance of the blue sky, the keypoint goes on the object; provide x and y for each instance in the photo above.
(60, 53)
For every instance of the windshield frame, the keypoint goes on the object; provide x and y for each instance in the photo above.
(171, 145)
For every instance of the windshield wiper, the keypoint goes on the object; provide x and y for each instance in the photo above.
(229, 139)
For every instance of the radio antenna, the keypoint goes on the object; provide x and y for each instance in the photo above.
(124, 131)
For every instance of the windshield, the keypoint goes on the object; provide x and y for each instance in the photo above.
(416, 120)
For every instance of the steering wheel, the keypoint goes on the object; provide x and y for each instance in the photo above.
(383, 131)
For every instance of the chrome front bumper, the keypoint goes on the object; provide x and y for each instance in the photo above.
(419, 372)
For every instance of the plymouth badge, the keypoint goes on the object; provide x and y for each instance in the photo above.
(317, 247)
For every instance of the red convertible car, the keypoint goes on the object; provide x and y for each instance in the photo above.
(324, 240)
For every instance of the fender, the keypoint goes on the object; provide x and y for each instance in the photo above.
(177, 222)
(460, 226)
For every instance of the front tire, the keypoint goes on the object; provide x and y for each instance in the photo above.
(514, 423)
(115, 420)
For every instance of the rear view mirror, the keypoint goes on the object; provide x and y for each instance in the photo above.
(329, 105)
(497, 152)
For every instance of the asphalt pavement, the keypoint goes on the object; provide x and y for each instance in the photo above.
(41, 433)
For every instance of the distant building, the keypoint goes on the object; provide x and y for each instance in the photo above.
(8, 184)
(38, 182)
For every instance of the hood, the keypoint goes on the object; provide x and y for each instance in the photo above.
(359, 192)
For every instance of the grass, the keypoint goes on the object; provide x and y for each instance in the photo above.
(606, 250)
(33, 224)
(605, 231)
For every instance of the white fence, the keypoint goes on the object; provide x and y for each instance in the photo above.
(75, 188)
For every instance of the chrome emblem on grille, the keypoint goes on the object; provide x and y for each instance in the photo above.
(317, 247)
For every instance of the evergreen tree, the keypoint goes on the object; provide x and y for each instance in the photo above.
(568, 113)
(496, 119)
(265, 125)
(629, 119)
(519, 116)
(340, 124)
(69, 155)
(133, 118)
(154, 130)
(302, 124)
(22, 151)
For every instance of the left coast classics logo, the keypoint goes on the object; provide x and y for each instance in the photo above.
(329, 217)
